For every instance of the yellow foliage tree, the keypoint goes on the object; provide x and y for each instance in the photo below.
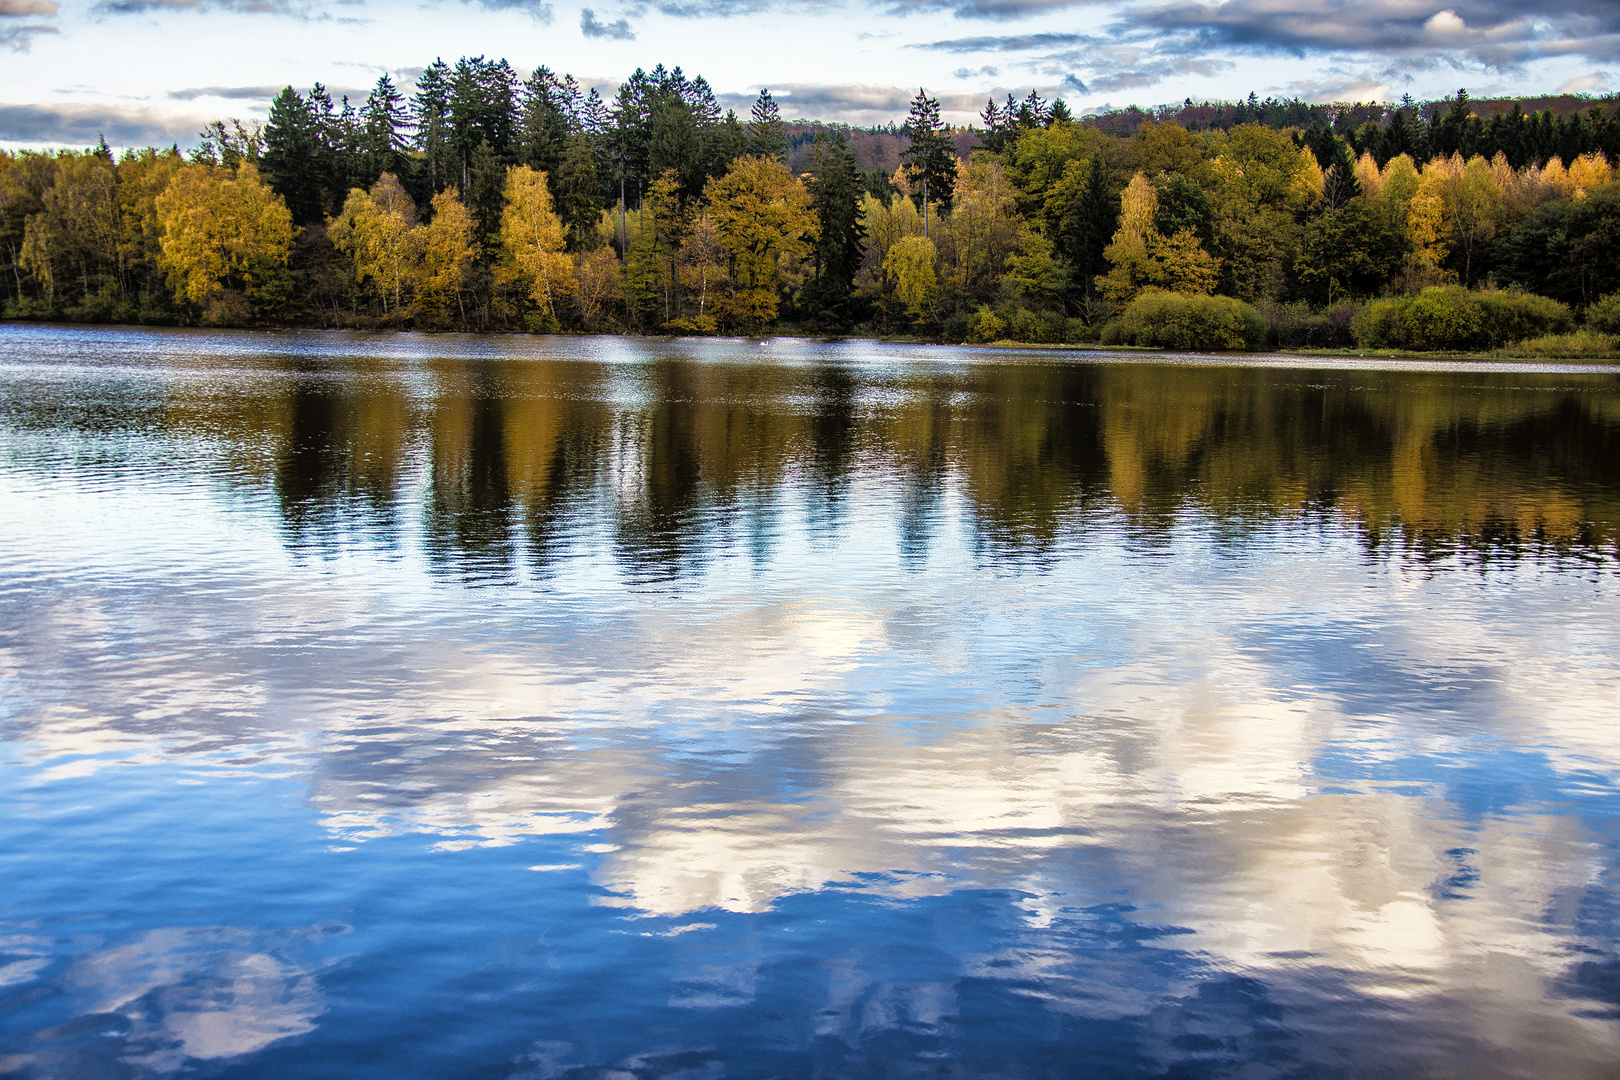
(448, 251)
(532, 236)
(596, 276)
(1128, 255)
(762, 214)
(1181, 264)
(378, 230)
(910, 265)
(219, 230)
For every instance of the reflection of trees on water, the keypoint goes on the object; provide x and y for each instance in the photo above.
(676, 458)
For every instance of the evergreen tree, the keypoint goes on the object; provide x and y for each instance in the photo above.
(1089, 227)
(1339, 183)
(994, 136)
(431, 113)
(579, 191)
(766, 136)
(930, 157)
(726, 143)
(386, 124)
(835, 197)
(291, 151)
(548, 114)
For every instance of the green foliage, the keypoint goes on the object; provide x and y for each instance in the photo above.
(1568, 249)
(986, 326)
(1169, 320)
(930, 156)
(1604, 316)
(1299, 326)
(1581, 345)
(1451, 317)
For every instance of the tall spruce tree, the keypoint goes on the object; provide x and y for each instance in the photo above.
(385, 122)
(930, 157)
(767, 137)
(836, 188)
(430, 111)
(1090, 226)
(290, 158)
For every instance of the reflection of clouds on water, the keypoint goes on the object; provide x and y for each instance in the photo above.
(1203, 766)
(170, 999)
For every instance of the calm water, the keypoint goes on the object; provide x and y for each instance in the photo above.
(417, 707)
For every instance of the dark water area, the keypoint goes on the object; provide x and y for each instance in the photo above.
(397, 706)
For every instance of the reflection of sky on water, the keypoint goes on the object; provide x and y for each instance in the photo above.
(857, 727)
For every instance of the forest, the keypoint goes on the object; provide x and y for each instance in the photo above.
(484, 200)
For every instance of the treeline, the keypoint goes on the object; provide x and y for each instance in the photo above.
(490, 201)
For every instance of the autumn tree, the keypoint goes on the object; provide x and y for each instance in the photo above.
(532, 238)
(378, 231)
(222, 234)
(762, 214)
(449, 247)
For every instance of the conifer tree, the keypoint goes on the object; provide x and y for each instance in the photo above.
(291, 144)
(766, 136)
(835, 196)
(1091, 225)
(930, 158)
(386, 124)
(431, 113)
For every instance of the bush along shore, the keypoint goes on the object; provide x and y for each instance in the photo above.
(491, 201)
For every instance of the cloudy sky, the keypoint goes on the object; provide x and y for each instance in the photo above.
(153, 71)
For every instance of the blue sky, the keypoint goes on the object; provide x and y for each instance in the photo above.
(153, 71)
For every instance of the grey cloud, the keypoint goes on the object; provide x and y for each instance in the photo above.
(591, 27)
(141, 7)
(1010, 43)
(538, 10)
(969, 73)
(81, 125)
(243, 93)
(19, 38)
(862, 103)
(1497, 33)
(992, 10)
(847, 102)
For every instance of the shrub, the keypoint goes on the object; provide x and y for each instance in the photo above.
(1515, 316)
(1080, 332)
(985, 327)
(1581, 345)
(1296, 326)
(1451, 317)
(957, 328)
(1167, 320)
(1604, 316)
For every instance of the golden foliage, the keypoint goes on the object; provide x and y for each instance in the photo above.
(532, 236)
(216, 229)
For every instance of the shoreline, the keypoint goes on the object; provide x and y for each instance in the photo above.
(1449, 359)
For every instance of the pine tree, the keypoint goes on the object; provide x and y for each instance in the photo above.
(930, 157)
(1091, 225)
(385, 123)
(766, 136)
(291, 146)
(431, 113)
(835, 196)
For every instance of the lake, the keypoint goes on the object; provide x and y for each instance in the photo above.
(413, 706)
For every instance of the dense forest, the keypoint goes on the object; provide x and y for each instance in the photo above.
(485, 200)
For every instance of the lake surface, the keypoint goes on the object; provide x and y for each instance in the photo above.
(406, 706)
